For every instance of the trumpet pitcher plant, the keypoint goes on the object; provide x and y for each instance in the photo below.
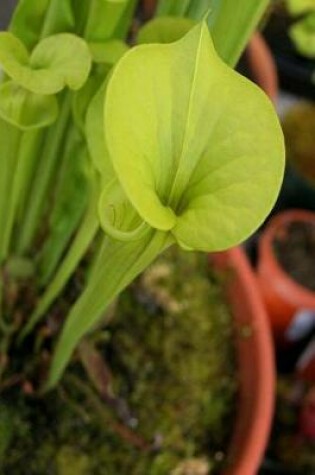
(113, 150)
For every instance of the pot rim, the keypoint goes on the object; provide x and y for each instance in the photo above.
(267, 255)
(256, 366)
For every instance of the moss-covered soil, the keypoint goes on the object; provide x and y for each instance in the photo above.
(160, 398)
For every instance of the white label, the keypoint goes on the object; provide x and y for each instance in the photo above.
(301, 325)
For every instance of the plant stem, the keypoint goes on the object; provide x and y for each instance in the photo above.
(45, 173)
(118, 265)
(113, 14)
(10, 142)
(71, 199)
(238, 18)
(83, 238)
(59, 18)
(29, 145)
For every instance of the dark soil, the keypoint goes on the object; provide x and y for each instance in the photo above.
(290, 451)
(295, 250)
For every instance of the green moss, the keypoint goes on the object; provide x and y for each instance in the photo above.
(71, 462)
(169, 351)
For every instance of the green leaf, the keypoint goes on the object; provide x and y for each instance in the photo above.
(95, 136)
(164, 30)
(56, 62)
(232, 24)
(111, 11)
(104, 56)
(70, 202)
(81, 100)
(198, 9)
(302, 34)
(47, 164)
(109, 52)
(296, 7)
(79, 245)
(198, 155)
(65, 57)
(126, 20)
(28, 19)
(202, 153)
(13, 54)
(117, 217)
(173, 7)
(195, 9)
(36, 19)
(61, 17)
(118, 264)
(10, 138)
(24, 109)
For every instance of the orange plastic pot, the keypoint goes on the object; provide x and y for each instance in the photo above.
(283, 296)
(255, 360)
(262, 65)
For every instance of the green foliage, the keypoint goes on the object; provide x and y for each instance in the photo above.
(187, 155)
(112, 153)
(37, 19)
(28, 19)
(114, 11)
(164, 30)
(109, 52)
(231, 23)
(56, 62)
(197, 156)
(73, 193)
(296, 7)
(302, 34)
(25, 109)
(71, 462)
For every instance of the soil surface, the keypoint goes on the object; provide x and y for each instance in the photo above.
(295, 250)
(153, 393)
(291, 450)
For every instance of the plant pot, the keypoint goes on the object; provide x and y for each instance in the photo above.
(255, 361)
(287, 301)
(250, 427)
(262, 66)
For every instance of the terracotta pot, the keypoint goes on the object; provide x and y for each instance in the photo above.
(283, 296)
(255, 362)
(262, 65)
